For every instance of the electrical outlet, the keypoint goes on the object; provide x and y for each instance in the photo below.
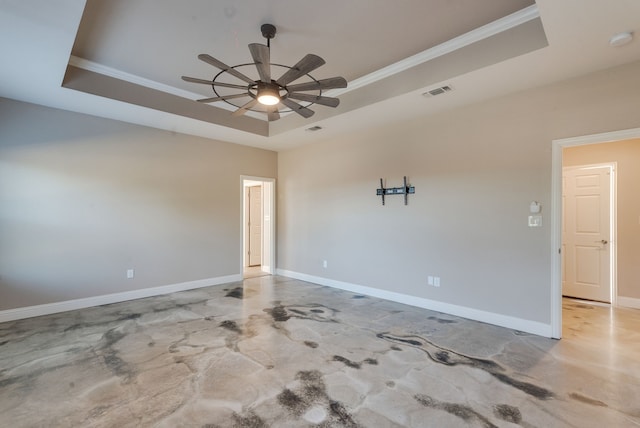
(130, 273)
(430, 280)
(436, 281)
(324, 264)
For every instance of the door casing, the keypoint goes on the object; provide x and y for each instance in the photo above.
(556, 213)
(268, 222)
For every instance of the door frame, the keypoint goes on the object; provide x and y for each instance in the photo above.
(556, 213)
(613, 224)
(269, 212)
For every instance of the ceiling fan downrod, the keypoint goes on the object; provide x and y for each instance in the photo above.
(268, 32)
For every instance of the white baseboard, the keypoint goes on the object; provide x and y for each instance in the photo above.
(71, 305)
(520, 324)
(628, 302)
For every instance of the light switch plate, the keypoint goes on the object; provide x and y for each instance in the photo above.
(535, 221)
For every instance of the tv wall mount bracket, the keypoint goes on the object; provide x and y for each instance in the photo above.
(404, 190)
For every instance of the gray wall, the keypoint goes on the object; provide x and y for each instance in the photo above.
(627, 155)
(476, 169)
(82, 199)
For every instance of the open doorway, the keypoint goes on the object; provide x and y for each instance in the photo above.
(258, 226)
(586, 158)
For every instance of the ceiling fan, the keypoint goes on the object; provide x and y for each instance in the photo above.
(267, 95)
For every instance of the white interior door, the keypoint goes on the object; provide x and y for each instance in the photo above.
(255, 225)
(586, 232)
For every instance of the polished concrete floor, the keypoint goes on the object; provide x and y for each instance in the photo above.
(277, 352)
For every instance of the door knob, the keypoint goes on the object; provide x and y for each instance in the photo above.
(603, 242)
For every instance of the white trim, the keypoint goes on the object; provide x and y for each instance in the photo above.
(496, 27)
(605, 137)
(528, 326)
(629, 302)
(556, 242)
(95, 67)
(556, 212)
(613, 232)
(88, 302)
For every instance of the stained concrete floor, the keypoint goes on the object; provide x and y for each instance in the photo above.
(276, 352)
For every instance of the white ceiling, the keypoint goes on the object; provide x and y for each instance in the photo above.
(128, 56)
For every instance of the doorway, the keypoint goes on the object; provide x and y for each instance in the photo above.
(557, 252)
(257, 226)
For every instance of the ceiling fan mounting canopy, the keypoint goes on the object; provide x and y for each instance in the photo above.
(268, 31)
(265, 94)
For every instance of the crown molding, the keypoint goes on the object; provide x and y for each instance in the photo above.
(95, 67)
(496, 27)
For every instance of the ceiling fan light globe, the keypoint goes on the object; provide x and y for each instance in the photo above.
(268, 99)
(268, 94)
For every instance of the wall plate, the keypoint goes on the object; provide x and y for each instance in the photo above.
(535, 221)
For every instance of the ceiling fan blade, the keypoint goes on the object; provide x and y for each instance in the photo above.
(306, 65)
(229, 85)
(224, 67)
(242, 110)
(210, 82)
(196, 80)
(223, 98)
(272, 113)
(302, 111)
(330, 83)
(261, 56)
(325, 101)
